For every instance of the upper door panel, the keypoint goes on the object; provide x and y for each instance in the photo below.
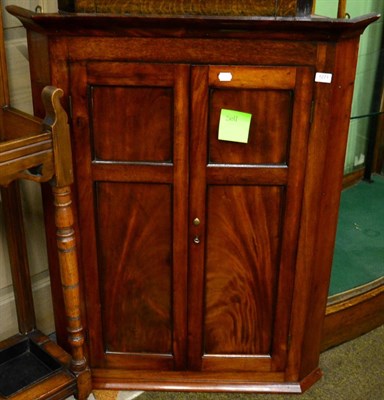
(265, 93)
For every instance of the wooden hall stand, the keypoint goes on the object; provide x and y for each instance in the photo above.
(31, 365)
(205, 263)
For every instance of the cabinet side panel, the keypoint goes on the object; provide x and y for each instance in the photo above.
(241, 268)
(328, 188)
(134, 244)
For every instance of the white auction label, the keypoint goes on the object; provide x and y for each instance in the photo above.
(323, 77)
(225, 77)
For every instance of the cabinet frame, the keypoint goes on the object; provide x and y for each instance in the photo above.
(324, 45)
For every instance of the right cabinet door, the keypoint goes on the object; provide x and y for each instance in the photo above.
(245, 207)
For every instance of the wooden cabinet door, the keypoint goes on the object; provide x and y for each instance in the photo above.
(130, 126)
(245, 204)
(188, 245)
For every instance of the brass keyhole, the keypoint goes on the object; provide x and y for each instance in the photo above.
(196, 222)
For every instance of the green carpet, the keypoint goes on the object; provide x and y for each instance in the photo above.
(359, 249)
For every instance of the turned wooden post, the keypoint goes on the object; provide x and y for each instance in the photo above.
(342, 9)
(66, 246)
(56, 121)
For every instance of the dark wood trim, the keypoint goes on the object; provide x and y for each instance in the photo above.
(190, 381)
(284, 7)
(378, 157)
(250, 27)
(353, 314)
(353, 178)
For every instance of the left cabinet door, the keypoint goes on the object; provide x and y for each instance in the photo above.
(130, 128)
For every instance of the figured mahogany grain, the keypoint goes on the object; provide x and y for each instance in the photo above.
(241, 270)
(208, 7)
(269, 130)
(139, 118)
(134, 236)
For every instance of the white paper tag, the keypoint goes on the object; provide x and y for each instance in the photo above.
(225, 77)
(323, 77)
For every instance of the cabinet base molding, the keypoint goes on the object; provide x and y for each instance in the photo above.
(189, 381)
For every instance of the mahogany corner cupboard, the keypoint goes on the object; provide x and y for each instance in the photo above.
(208, 157)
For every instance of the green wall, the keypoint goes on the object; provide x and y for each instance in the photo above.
(365, 75)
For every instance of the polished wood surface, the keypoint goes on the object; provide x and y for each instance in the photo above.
(111, 25)
(241, 268)
(11, 201)
(142, 312)
(353, 314)
(136, 306)
(59, 386)
(208, 7)
(49, 152)
(187, 233)
(341, 9)
(269, 136)
(237, 245)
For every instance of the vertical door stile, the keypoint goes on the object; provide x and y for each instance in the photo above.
(294, 193)
(180, 207)
(85, 193)
(198, 165)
